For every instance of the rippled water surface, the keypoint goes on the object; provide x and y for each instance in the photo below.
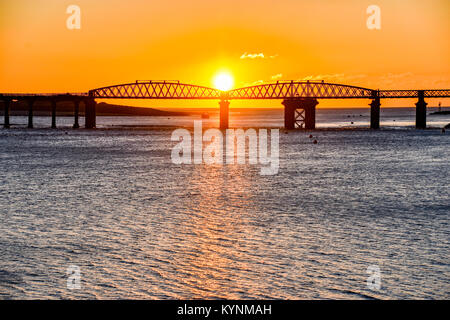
(111, 202)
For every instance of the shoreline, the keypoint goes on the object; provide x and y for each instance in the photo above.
(18, 127)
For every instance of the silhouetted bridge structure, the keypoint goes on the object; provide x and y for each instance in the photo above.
(299, 99)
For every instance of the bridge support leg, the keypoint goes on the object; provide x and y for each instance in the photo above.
(375, 113)
(90, 114)
(30, 113)
(310, 113)
(421, 111)
(76, 104)
(224, 113)
(289, 114)
(53, 102)
(305, 119)
(6, 113)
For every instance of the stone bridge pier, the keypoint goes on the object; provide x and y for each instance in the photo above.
(7, 104)
(90, 113)
(30, 102)
(421, 111)
(224, 114)
(375, 110)
(300, 113)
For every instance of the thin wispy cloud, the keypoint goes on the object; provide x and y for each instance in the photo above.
(277, 76)
(254, 83)
(252, 55)
(257, 56)
(323, 77)
(355, 76)
(259, 82)
(390, 79)
(397, 75)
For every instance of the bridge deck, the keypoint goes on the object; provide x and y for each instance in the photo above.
(276, 90)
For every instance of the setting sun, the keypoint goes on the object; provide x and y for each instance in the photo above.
(223, 81)
(248, 150)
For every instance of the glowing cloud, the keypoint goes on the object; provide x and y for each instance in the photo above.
(323, 77)
(257, 55)
(277, 76)
(252, 55)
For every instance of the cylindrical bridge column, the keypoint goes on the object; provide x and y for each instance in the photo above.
(53, 102)
(310, 113)
(7, 103)
(289, 113)
(30, 113)
(375, 112)
(76, 105)
(224, 113)
(421, 111)
(90, 113)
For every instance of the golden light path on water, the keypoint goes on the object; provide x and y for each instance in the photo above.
(138, 226)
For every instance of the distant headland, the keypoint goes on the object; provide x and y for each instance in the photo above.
(446, 112)
(42, 108)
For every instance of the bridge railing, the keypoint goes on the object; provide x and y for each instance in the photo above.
(300, 89)
(434, 93)
(156, 90)
(80, 94)
(276, 90)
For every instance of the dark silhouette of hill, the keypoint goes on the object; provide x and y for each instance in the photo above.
(446, 112)
(43, 108)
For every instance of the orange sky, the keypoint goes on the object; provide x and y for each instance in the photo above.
(123, 41)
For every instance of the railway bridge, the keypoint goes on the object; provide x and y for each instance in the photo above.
(299, 99)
